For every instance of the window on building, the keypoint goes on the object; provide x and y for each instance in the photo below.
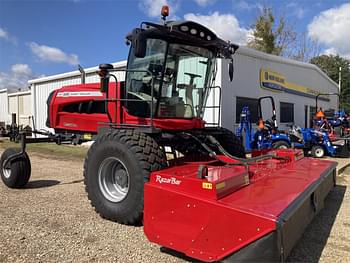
(252, 105)
(312, 113)
(329, 113)
(286, 112)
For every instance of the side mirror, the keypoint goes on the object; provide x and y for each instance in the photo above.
(104, 76)
(230, 69)
(139, 43)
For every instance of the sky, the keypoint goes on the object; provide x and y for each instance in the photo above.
(46, 37)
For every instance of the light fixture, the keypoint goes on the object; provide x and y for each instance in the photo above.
(184, 28)
(193, 31)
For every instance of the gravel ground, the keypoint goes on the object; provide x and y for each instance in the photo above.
(52, 221)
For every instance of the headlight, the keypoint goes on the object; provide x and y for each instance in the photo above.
(193, 31)
(184, 28)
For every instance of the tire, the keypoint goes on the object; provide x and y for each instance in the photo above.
(17, 176)
(228, 140)
(280, 145)
(317, 151)
(115, 170)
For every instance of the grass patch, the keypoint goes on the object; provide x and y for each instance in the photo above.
(50, 149)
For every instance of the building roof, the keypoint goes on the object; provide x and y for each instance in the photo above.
(19, 93)
(120, 64)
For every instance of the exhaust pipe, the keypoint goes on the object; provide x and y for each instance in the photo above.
(82, 72)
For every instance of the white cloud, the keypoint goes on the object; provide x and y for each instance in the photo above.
(330, 51)
(226, 26)
(5, 35)
(204, 2)
(245, 5)
(17, 78)
(331, 28)
(153, 7)
(53, 54)
(21, 69)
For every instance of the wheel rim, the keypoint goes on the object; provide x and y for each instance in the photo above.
(113, 179)
(283, 147)
(6, 173)
(319, 152)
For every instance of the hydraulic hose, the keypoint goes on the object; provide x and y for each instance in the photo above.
(241, 161)
(250, 160)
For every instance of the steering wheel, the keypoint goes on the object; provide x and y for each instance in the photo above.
(192, 76)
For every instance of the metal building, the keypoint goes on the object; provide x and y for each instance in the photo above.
(4, 117)
(293, 84)
(20, 104)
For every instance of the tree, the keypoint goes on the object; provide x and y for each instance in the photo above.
(271, 38)
(281, 39)
(305, 48)
(330, 65)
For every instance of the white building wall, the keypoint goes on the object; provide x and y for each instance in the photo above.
(246, 83)
(20, 103)
(41, 88)
(4, 116)
(13, 105)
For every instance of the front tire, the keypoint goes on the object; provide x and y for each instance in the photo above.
(115, 170)
(280, 145)
(317, 151)
(17, 174)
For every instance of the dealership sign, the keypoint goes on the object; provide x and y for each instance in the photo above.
(275, 81)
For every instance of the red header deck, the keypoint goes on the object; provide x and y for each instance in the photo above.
(211, 218)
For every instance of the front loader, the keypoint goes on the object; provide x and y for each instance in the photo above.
(267, 135)
(202, 198)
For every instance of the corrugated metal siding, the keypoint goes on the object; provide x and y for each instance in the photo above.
(25, 110)
(13, 104)
(27, 105)
(4, 116)
(20, 103)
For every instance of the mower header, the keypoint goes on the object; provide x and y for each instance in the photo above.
(259, 216)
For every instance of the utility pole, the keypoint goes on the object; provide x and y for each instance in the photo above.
(339, 84)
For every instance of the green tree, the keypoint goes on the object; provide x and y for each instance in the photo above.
(270, 36)
(330, 65)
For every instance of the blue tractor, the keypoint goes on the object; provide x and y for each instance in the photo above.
(267, 135)
(339, 119)
(318, 142)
